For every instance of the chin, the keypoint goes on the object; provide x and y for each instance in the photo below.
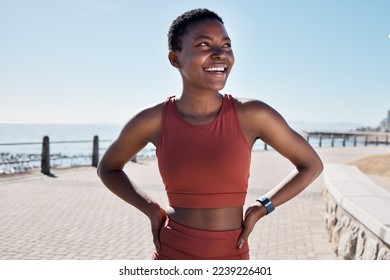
(218, 86)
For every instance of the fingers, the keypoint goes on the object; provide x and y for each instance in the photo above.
(252, 215)
(156, 240)
(155, 234)
(247, 228)
(156, 223)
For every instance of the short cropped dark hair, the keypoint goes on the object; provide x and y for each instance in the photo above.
(179, 25)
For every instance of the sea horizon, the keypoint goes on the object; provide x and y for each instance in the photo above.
(305, 125)
(12, 132)
(72, 144)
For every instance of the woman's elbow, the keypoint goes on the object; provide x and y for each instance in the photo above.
(105, 169)
(312, 167)
(99, 170)
(317, 166)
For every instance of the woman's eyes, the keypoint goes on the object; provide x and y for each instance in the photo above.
(227, 45)
(205, 44)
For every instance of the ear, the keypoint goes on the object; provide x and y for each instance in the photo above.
(174, 59)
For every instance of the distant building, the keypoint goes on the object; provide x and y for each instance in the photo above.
(385, 124)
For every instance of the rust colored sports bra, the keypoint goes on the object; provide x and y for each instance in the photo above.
(204, 166)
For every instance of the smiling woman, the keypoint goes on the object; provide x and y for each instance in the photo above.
(203, 142)
(205, 57)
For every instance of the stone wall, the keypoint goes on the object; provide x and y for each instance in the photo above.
(349, 238)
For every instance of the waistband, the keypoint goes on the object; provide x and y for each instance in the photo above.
(182, 242)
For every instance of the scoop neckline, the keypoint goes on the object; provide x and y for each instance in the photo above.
(177, 112)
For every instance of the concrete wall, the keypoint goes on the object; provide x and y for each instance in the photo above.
(357, 214)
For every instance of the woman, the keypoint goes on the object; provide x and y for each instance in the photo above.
(204, 141)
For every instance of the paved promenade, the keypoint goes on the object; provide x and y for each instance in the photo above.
(73, 216)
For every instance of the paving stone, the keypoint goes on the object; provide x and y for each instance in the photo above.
(73, 216)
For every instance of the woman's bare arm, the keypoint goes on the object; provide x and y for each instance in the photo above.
(140, 130)
(261, 121)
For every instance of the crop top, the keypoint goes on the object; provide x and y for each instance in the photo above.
(204, 166)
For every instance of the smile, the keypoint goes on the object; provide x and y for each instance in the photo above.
(215, 69)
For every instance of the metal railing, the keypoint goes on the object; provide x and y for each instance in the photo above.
(46, 160)
(22, 162)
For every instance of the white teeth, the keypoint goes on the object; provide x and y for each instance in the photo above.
(215, 69)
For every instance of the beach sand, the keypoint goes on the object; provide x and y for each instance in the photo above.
(377, 167)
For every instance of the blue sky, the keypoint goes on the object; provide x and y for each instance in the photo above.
(86, 61)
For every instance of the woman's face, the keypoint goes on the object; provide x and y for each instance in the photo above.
(206, 56)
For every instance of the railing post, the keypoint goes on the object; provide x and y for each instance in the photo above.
(95, 151)
(265, 147)
(320, 143)
(355, 141)
(45, 160)
(344, 140)
(332, 143)
(366, 141)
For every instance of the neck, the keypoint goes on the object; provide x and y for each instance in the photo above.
(199, 108)
(200, 101)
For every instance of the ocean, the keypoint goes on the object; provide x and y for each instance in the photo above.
(26, 139)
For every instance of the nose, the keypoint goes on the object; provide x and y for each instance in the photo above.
(218, 53)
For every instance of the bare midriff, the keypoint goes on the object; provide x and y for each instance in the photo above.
(208, 219)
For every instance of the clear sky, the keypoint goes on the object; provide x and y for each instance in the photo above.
(87, 61)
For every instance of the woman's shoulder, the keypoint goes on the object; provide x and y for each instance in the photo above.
(154, 111)
(151, 112)
(252, 106)
(260, 119)
(146, 121)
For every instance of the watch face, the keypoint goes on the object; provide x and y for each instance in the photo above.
(267, 204)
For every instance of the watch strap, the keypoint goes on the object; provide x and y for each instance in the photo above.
(266, 202)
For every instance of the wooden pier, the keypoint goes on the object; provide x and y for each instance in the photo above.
(368, 138)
